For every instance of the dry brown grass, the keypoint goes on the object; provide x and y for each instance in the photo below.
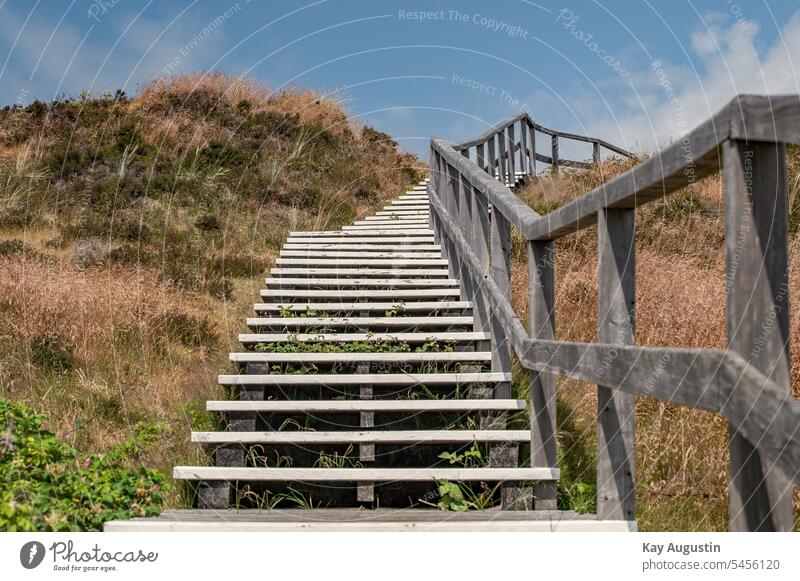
(681, 453)
(143, 349)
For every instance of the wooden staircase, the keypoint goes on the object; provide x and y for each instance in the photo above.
(363, 365)
(363, 373)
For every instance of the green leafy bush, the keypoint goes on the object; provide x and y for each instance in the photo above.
(47, 485)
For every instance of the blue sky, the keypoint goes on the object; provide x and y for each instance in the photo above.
(635, 72)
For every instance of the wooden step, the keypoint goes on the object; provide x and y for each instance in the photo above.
(210, 473)
(411, 338)
(407, 203)
(366, 405)
(379, 322)
(409, 307)
(394, 222)
(403, 213)
(398, 294)
(368, 272)
(367, 247)
(357, 254)
(364, 233)
(362, 282)
(361, 357)
(380, 379)
(389, 228)
(370, 262)
(363, 437)
(400, 241)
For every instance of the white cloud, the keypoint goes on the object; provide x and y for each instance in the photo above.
(727, 63)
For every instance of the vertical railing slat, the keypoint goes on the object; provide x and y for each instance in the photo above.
(554, 152)
(616, 410)
(500, 252)
(542, 325)
(758, 316)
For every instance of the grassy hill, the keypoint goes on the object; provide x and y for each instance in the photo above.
(134, 234)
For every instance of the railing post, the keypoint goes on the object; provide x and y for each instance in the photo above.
(616, 411)
(554, 152)
(758, 316)
(542, 325)
(512, 172)
(533, 150)
(500, 249)
(451, 204)
(492, 158)
(479, 153)
(479, 218)
(595, 152)
(501, 154)
(524, 161)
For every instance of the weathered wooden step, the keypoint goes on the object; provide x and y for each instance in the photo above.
(362, 282)
(365, 262)
(407, 203)
(215, 473)
(411, 307)
(378, 322)
(404, 213)
(381, 379)
(411, 338)
(361, 357)
(366, 405)
(401, 241)
(417, 228)
(367, 247)
(363, 233)
(358, 254)
(399, 222)
(367, 294)
(368, 272)
(363, 437)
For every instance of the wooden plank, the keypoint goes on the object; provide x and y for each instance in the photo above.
(413, 306)
(392, 379)
(616, 411)
(362, 357)
(374, 405)
(399, 294)
(359, 254)
(500, 264)
(363, 272)
(369, 436)
(412, 338)
(415, 233)
(363, 474)
(758, 317)
(350, 239)
(363, 282)
(554, 153)
(365, 246)
(542, 325)
(364, 262)
(383, 322)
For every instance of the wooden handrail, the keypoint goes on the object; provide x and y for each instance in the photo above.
(472, 214)
(515, 140)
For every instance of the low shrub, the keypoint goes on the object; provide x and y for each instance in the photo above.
(49, 352)
(47, 485)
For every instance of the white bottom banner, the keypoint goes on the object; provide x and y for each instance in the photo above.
(387, 556)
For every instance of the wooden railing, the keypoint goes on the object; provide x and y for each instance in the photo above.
(749, 383)
(507, 150)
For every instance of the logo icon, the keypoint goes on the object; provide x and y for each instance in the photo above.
(31, 554)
